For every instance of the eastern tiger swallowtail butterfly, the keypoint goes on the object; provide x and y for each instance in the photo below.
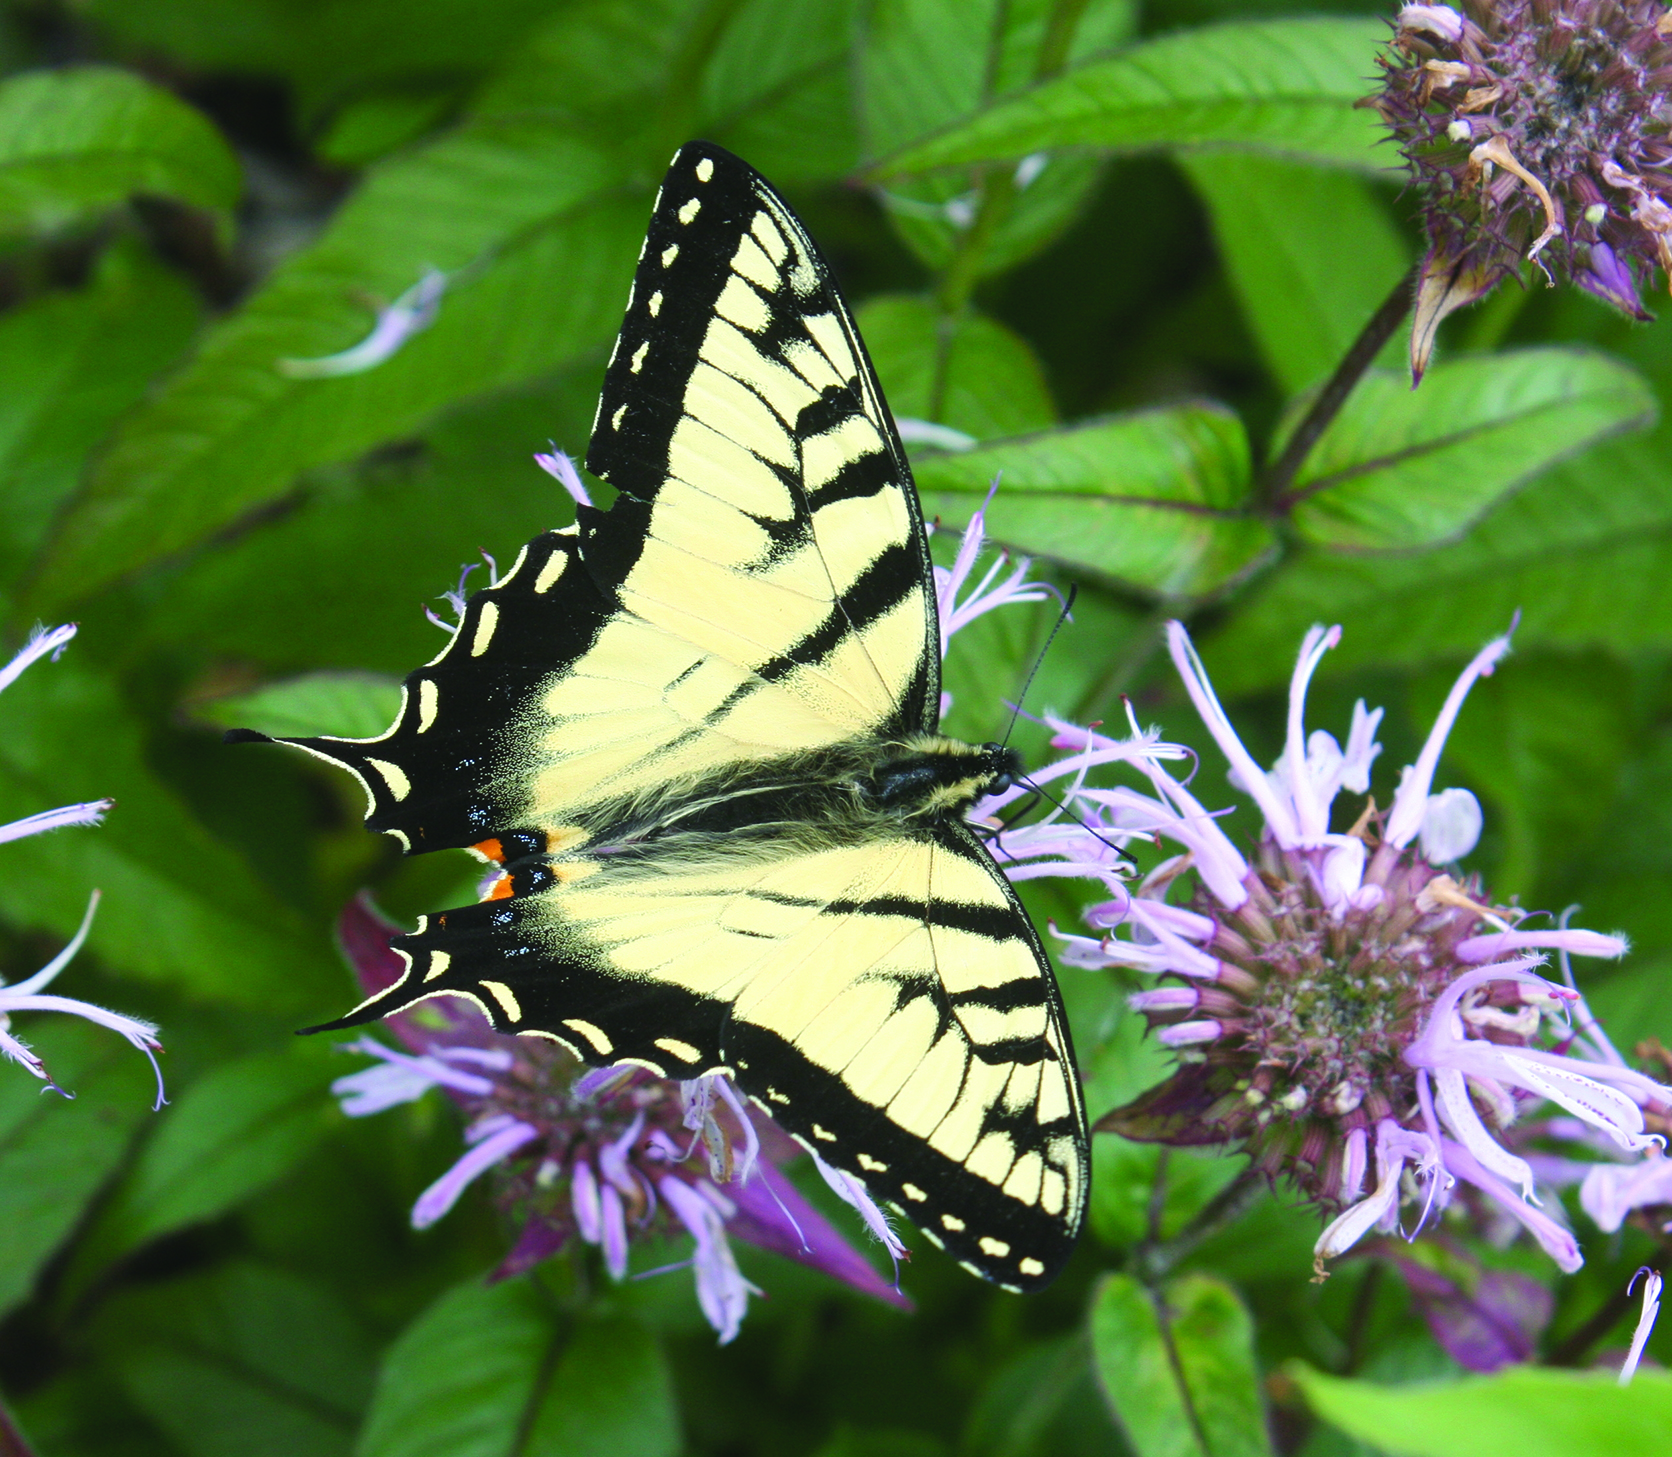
(697, 732)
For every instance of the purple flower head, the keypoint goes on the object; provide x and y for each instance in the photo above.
(607, 1156)
(30, 995)
(1537, 130)
(1341, 1006)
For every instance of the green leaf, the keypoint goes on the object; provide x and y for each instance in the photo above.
(1528, 1410)
(1178, 1368)
(1281, 86)
(1123, 1186)
(178, 907)
(972, 374)
(388, 537)
(1152, 499)
(244, 1362)
(538, 262)
(325, 53)
(345, 705)
(1584, 554)
(55, 1155)
(1401, 468)
(92, 136)
(1042, 1402)
(233, 1132)
(929, 64)
(70, 364)
(1311, 253)
(610, 1396)
(488, 1363)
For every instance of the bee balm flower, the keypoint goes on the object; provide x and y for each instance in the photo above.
(1341, 1006)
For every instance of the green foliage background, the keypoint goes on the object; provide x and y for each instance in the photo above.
(193, 190)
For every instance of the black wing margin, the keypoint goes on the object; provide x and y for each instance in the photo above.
(729, 281)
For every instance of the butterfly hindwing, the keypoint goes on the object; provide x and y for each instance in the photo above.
(662, 722)
(882, 999)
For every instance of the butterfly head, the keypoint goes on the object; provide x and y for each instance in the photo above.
(1005, 766)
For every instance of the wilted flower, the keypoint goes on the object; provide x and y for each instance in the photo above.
(30, 995)
(1534, 129)
(608, 1156)
(412, 313)
(1357, 1018)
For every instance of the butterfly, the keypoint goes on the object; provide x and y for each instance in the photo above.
(696, 734)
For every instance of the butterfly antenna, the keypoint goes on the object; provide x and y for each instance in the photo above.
(1038, 662)
(1035, 788)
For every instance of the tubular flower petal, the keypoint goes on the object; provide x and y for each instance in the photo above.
(1645, 1322)
(412, 313)
(26, 995)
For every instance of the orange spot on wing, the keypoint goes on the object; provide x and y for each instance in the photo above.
(499, 890)
(491, 850)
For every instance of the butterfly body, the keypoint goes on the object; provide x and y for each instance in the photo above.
(697, 734)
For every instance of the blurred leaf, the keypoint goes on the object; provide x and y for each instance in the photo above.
(93, 136)
(326, 52)
(54, 1155)
(1545, 738)
(610, 1396)
(178, 906)
(1584, 553)
(1043, 1402)
(70, 364)
(487, 1363)
(346, 705)
(388, 537)
(928, 64)
(539, 266)
(971, 374)
(1311, 253)
(770, 81)
(1153, 499)
(778, 89)
(234, 1131)
(244, 1362)
(1179, 1369)
(1400, 468)
(1279, 86)
(373, 126)
(1123, 1185)
(874, 1442)
(1526, 1410)
(602, 67)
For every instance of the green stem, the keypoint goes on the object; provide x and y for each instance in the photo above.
(1358, 1324)
(1153, 1262)
(1275, 488)
(1063, 21)
(997, 184)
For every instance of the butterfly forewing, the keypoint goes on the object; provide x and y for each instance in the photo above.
(754, 611)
